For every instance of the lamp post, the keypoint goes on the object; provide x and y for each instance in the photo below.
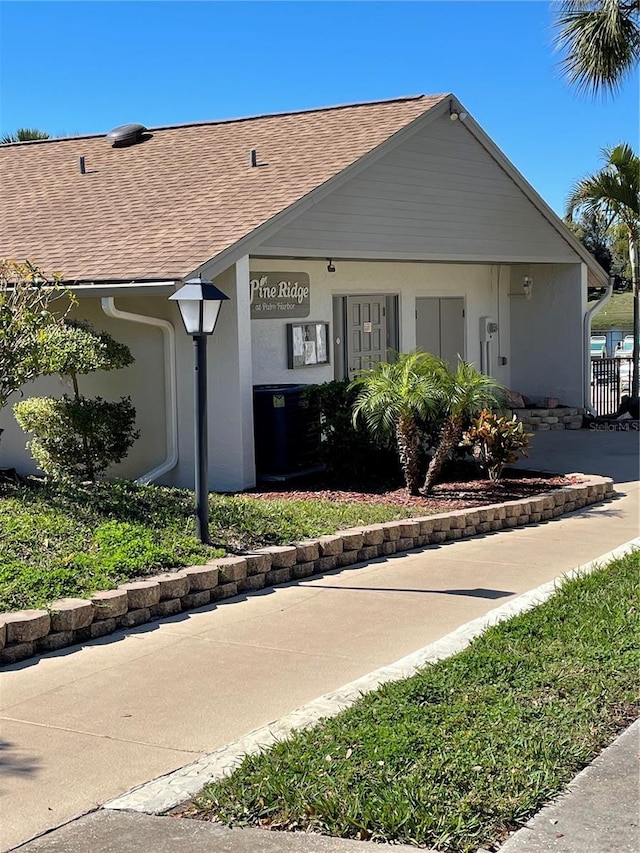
(199, 303)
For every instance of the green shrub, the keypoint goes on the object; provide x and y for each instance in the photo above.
(32, 306)
(495, 441)
(77, 437)
(77, 348)
(346, 449)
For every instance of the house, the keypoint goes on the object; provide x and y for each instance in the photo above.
(339, 235)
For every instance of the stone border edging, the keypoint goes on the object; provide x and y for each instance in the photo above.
(560, 417)
(75, 620)
(166, 792)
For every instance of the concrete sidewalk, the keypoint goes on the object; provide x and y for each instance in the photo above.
(590, 451)
(79, 728)
(127, 832)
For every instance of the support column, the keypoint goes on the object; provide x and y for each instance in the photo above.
(231, 449)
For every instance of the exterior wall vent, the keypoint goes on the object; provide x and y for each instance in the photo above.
(126, 134)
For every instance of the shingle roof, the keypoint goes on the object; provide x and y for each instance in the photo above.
(163, 207)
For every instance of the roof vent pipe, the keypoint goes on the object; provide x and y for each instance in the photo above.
(83, 170)
(253, 158)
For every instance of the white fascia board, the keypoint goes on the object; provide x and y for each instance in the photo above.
(535, 198)
(134, 288)
(428, 257)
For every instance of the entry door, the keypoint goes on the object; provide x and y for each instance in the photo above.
(440, 327)
(367, 332)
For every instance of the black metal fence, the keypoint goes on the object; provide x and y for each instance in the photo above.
(610, 381)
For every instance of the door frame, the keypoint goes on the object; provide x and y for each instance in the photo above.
(341, 328)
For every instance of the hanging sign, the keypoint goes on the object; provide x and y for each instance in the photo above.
(279, 294)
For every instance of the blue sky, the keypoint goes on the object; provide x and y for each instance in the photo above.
(85, 67)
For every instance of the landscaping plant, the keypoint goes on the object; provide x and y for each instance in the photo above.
(77, 436)
(32, 305)
(420, 395)
(495, 441)
(461, 392)
(347, 449)
(395, 399)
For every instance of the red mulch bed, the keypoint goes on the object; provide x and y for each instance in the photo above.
(461, 493)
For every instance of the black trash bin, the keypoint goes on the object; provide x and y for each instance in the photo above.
(287, 431)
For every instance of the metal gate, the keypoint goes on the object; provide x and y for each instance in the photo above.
(610, 381)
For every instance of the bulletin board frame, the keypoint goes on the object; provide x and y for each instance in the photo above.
(307, 345)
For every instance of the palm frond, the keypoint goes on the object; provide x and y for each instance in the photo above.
(614, 191)
(23, 134)
(391, 390)
(600, 40)
(465, 390)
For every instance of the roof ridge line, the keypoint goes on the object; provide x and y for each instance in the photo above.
(298, 112)
(238, 118)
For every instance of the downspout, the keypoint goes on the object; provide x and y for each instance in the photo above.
(170, 383)
(587, 345)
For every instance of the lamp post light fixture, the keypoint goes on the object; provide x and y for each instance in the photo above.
(199, 303)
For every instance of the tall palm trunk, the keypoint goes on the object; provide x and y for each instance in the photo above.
(449, 440)
(408, 438)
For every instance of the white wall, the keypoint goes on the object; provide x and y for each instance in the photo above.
(473, 282)
(541, 339)
(546, 331)
(231, 462)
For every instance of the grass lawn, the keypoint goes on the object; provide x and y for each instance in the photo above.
(470, 747)
(58, 541)
(617, 313)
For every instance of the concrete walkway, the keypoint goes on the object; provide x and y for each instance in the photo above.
(81, 727)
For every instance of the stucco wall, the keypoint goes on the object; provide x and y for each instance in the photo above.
(546, 331)
(477, 284)
(142, 381)
(540, 339)
(230, 422)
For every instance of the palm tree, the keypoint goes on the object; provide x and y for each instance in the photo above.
(24, 134)
(594, 232)
(614, 192)
(600, 40)
(462, 391)
(393, 399)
